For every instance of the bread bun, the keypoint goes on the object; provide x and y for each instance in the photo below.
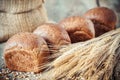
(54, 35)
(25, 52)
(78, 28)
(104, 19)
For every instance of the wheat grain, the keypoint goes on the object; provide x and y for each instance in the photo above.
(91, 60)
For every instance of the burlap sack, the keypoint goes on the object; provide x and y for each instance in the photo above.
(20, 16)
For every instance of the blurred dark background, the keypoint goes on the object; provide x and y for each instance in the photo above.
(59, 9)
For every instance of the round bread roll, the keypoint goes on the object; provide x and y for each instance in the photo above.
(54, 35)
(25, 52)
(104, 19)
(78, 28)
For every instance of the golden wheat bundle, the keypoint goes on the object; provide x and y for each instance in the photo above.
(91, 60)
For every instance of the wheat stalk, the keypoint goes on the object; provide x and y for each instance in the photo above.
(91, 60)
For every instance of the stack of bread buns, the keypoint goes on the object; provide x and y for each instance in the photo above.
(28, 51)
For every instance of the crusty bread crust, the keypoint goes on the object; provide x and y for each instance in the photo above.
(79, 28)
(103, 18)
(25, 52)
(53, 34)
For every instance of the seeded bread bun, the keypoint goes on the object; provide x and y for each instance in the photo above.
(104, 19)
(78, 28)
(54, 35)
(25, 52)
